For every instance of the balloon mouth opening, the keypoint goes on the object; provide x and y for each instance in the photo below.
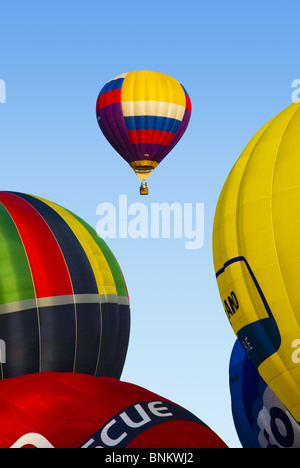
(142, 173)
(143, 169)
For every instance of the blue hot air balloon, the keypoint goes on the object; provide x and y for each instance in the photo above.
(260, 418)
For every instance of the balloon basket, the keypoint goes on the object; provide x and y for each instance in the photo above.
(144, 190)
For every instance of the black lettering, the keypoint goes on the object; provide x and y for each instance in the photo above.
(231, 304)
(227, 309)
(233, 379)
(234, 300)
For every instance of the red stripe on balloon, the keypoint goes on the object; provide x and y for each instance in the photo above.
(108, 98)
(188, 103)
(48, 267)
(154, 137)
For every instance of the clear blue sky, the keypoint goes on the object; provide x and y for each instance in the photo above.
(237, 60)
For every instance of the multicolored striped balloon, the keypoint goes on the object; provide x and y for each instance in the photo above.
(64, 305)
(143, 114)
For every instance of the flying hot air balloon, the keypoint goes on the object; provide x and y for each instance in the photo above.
(143, 115)
(64, 304)
(261, 420)
(257, 255)
(65, 410)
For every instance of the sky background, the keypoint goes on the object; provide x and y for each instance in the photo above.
(237, 60)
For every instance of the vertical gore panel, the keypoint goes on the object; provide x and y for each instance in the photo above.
(88, 337)
(20, 332)
(58, 335)
(15, 277)
(109, 340)
(123, 340)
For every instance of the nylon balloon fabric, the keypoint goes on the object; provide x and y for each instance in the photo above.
(64, 304)
(143, 114)
(260, 418)
(69, 410)
(257, 254)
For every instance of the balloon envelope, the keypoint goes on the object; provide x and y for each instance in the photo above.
(64, 410)
(261, 420)
(143, 114)
(257, 257)
(63, 300)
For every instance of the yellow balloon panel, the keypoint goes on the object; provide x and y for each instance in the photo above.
(257, 253)
(152, 86)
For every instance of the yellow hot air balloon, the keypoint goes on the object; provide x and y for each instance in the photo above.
(256, 248)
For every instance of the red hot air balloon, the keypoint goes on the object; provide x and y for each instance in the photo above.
(143, 114)
(69, 410)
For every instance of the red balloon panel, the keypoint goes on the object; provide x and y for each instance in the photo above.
(66, 410)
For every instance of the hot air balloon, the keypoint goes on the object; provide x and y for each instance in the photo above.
(63, 300)
(143, 115)
(65, 410)
(257, 257)
(261, 420)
